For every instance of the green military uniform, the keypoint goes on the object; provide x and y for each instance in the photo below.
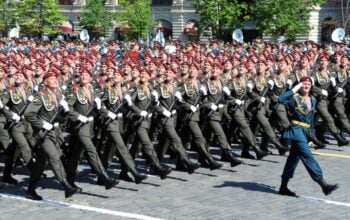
(44, 109)
(320, 92)
(166, 111)
(192, 98)
(216, 97)
(80, 102)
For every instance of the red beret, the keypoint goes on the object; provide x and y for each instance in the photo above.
(49, 74)
(28, 67)
(305, 78)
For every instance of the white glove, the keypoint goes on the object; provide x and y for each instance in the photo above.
(340, 90)
(64, 105)
(193, 108)
(154, 93)
(226, 90)
(213, 107)
(64, 87)
(128, 99)
(47, 126)
(111, 115)
(143, 113)
(270, 84)
(220, 105)
(82, 118)
(97, 101)
(166, 113)
(36, 88)
(204, 90)
(239, 102)
(289, 83)
(297, 87)
(324, 92)
(250, 87)
(333, 83)
(1, 105)
(178, 96)
(30, 98)
(90, 118)
(16, 117)
(263, 100)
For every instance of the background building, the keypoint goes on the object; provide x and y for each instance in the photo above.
(178, 20)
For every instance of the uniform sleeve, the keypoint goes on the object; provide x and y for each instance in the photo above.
(32, 112)
(72, 114)
(286, 97)
(6, 97)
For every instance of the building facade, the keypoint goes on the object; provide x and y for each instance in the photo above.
(178, 19)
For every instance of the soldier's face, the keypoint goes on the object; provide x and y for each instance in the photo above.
(19, 79)
(2, 73)
(323, 63)
(85, 78)
(305, 89)
(51, 82)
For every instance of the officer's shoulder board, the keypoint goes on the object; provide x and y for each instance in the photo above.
(10, 88)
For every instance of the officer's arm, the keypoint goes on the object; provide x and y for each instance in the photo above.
(134, 108)
(32, 112)
(286, 97)
(6, 97)
(72, 114)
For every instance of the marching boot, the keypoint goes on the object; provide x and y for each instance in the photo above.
(68, 189)
(180, 165)
(233, 160)
(213, 164)
(245, 153)
(279, 146)
(138, 177)
(31, 193)
(161, 170)
(285, 143)
(320, 131)
(108, 181)
(191, 167)
(30, 165)
(70, 179)
(264, 143)
(341, 141)
(284, 189)
(327, 188)
(203, 161)
(259, 153)
(318, 143)
(123, 175)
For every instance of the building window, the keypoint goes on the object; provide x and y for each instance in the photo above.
(162, 2)
(65, 2)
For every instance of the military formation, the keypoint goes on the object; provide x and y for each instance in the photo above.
(62, 102)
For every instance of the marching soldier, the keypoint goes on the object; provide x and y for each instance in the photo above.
(82, 102)
(320, 91)
(214, 104)
(193, 94)
(143, 101)
(114, 101)
(42, 114)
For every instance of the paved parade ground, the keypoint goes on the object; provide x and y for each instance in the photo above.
(248, 191)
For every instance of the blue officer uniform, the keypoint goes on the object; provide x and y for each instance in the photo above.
(297, 134)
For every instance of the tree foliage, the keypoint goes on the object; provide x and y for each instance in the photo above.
(96, 18)
(281, 17)
(220, 16)
(7, 16)
(39, 16)
(137, 15)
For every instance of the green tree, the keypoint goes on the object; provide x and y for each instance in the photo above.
(96, 18)
(137, 15)
(7, 16)
(39, 16)
(220, 16)
(281, 17)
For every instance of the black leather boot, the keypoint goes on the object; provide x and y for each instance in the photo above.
(204, 163)
(279, 146)
(213, 164)
(30, 165)
(68, 189)
(180, 166)
(341, 141)
(123, 175)
(232, 159)
(70, 179)
(284, 189)
(327, 188)
(31, 193)
(108, 182)
(161, 170)
(191, 167)
(246, 154)
(259, 153)
(138, 177)
(2, 185)
(9, 179)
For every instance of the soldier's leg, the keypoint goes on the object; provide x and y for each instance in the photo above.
(226, 154)
(4, 137)
(328, 120)
(341, 116)
(22, 144)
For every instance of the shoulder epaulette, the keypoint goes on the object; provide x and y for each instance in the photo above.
(11, 88)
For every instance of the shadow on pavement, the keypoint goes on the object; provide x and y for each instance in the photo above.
(251, 186)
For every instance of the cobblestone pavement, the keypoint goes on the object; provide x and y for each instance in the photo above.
(248, 191)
